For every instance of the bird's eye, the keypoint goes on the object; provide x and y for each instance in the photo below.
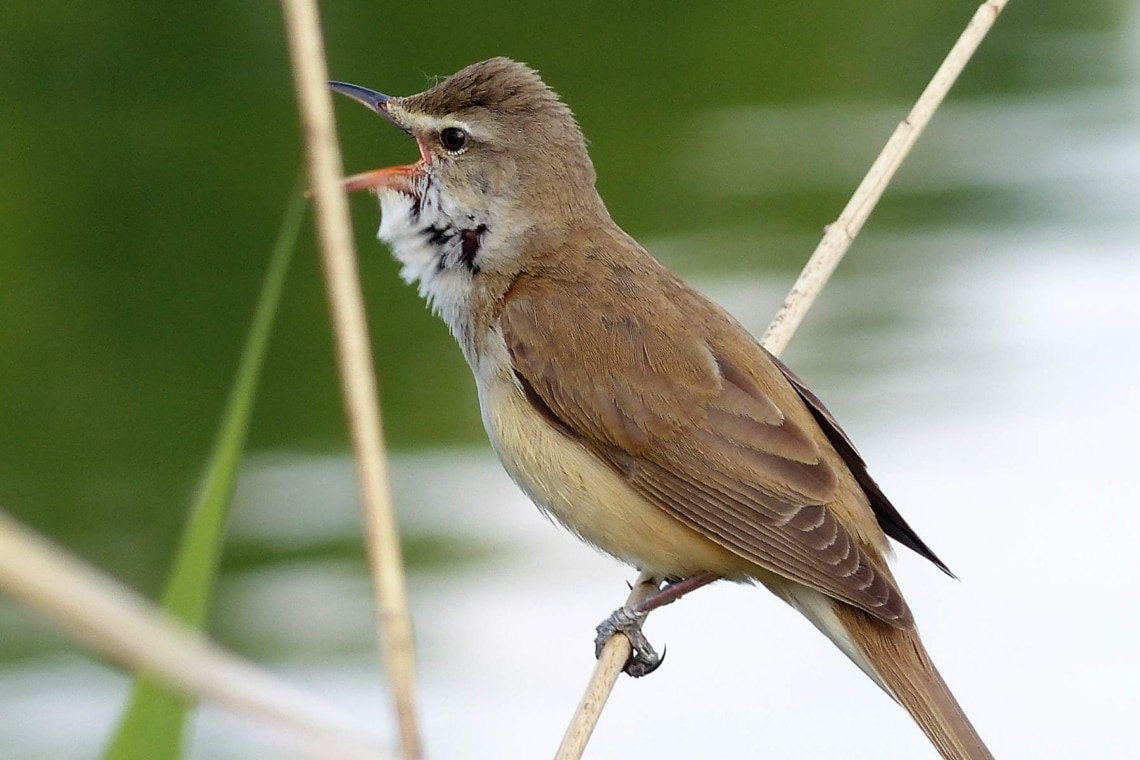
(453, 139)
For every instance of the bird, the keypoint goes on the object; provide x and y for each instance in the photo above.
(629, 407)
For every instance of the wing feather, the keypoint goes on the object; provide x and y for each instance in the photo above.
(889, 518)
(697, 433)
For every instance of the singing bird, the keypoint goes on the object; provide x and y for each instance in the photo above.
(628, 406)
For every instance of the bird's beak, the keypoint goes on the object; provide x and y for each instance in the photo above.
(396, 177)
(375, 101)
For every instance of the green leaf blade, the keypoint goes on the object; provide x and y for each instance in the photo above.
(154, 721)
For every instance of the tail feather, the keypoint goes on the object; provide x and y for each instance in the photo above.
(902, 667)
(894, 658)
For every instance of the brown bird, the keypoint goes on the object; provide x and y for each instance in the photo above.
(628, 406)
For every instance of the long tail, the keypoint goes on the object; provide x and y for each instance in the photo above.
(896, 659)
(904, 669)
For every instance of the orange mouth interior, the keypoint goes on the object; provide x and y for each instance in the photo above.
(392, 178)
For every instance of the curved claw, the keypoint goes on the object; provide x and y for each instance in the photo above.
(637, 667)
(643, 659)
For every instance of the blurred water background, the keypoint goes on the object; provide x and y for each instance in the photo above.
(981, 345)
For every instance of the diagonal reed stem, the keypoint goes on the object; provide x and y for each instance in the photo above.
(837, 239)
(130, 630)
(354, 357)
(840, 234)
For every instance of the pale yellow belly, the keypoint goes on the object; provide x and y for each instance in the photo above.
(591, 499)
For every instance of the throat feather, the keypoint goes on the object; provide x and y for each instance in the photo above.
(439, 251)
(471, 240)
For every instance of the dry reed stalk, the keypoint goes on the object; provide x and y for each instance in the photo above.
(606, 672)
(132, 631)
(354, 357)
(837, 239)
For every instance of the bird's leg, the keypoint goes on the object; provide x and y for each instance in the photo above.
(674, 590)
(643, 658)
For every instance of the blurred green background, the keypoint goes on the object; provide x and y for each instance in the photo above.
(147, 151)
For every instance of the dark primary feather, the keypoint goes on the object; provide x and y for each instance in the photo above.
(689, 427)
(889, 518)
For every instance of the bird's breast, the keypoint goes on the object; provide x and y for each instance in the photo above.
(573, 486)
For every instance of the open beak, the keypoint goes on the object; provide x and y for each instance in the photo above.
(395, 177)
(375, 101)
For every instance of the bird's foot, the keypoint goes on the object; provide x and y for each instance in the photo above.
(643, 659)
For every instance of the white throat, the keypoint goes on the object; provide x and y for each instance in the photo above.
(439, 251)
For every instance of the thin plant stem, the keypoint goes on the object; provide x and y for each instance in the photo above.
(837, 239)
(840, 234)
(606, 671)
(133, 632)
(354, 357)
